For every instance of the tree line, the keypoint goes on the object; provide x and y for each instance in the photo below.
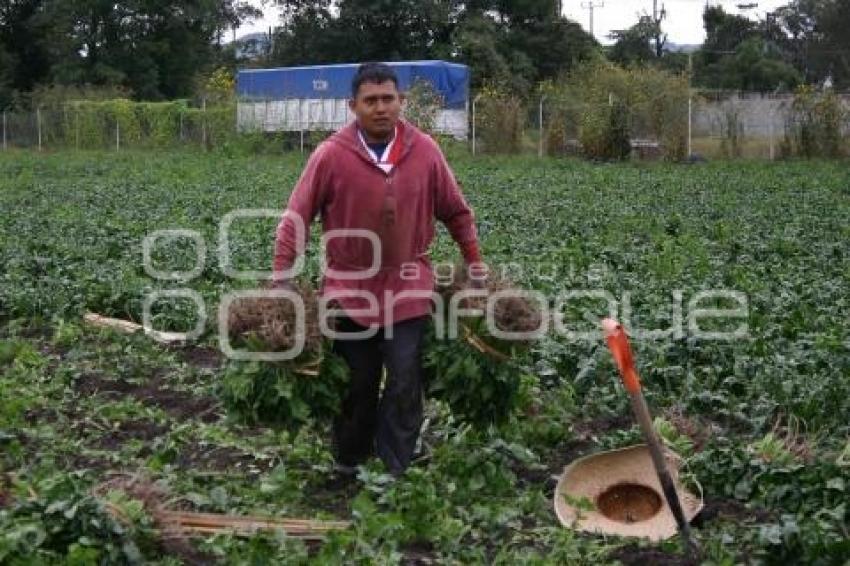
(157, 49)
(152, 49)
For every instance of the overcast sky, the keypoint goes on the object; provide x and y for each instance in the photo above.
(683, 23)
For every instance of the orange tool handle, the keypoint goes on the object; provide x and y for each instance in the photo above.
(618, 343)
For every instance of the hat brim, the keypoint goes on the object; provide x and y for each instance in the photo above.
(585, 479)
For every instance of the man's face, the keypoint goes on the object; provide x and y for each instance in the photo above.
(377, 107)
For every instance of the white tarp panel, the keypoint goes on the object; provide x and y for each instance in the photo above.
(323, 114)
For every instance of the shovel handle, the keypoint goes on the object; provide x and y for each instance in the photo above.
(618, 343)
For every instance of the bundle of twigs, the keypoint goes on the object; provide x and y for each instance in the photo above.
(176, 524)
(511, 313)
(247, 525)
(271, 323)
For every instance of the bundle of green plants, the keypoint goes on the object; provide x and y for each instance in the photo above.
(288, 393)
(56, 520)
(477, 372)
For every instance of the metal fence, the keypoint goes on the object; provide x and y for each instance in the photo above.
(749, 124)
(52, 129)
(561, 127)
(712, 124)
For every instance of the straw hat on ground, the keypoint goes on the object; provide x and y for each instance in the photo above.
(617, 493)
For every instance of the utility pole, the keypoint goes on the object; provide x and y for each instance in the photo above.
(270, 46)
(590, 6)
(690, 104)
(656, 20)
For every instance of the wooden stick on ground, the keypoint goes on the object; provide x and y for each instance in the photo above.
(212, 523)
(130, 327)
(183, 523)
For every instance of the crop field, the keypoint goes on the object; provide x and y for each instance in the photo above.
(756, 401)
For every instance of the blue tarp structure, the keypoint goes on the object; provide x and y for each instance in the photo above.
(450, 80)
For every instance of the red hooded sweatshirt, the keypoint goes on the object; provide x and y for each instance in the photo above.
(343, 182)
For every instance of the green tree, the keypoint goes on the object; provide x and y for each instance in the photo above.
(153, 47)
(739, 54)
(815, 32)
(392, 29)
(633, 46)
(7, 66)
(514, 43)
(307, 34)
(359, 30)
(834, 56)
(757, 66)
(724, 32)
(476, 39)
(24, 46)
(793, 27)
(552, 44)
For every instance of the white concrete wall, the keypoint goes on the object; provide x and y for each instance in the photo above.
(759, 116)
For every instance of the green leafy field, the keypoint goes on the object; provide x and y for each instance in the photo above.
(763, 420)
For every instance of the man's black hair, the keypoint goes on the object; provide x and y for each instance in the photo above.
(372, 73)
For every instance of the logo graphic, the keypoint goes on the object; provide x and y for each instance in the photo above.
(572, 314)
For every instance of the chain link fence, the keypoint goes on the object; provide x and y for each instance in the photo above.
(568, 128)
(97, 126)
(752, 124)
(709, 124)
(283, 125)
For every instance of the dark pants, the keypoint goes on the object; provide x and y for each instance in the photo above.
(389, 423)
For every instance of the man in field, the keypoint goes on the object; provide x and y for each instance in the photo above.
(378, 184)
